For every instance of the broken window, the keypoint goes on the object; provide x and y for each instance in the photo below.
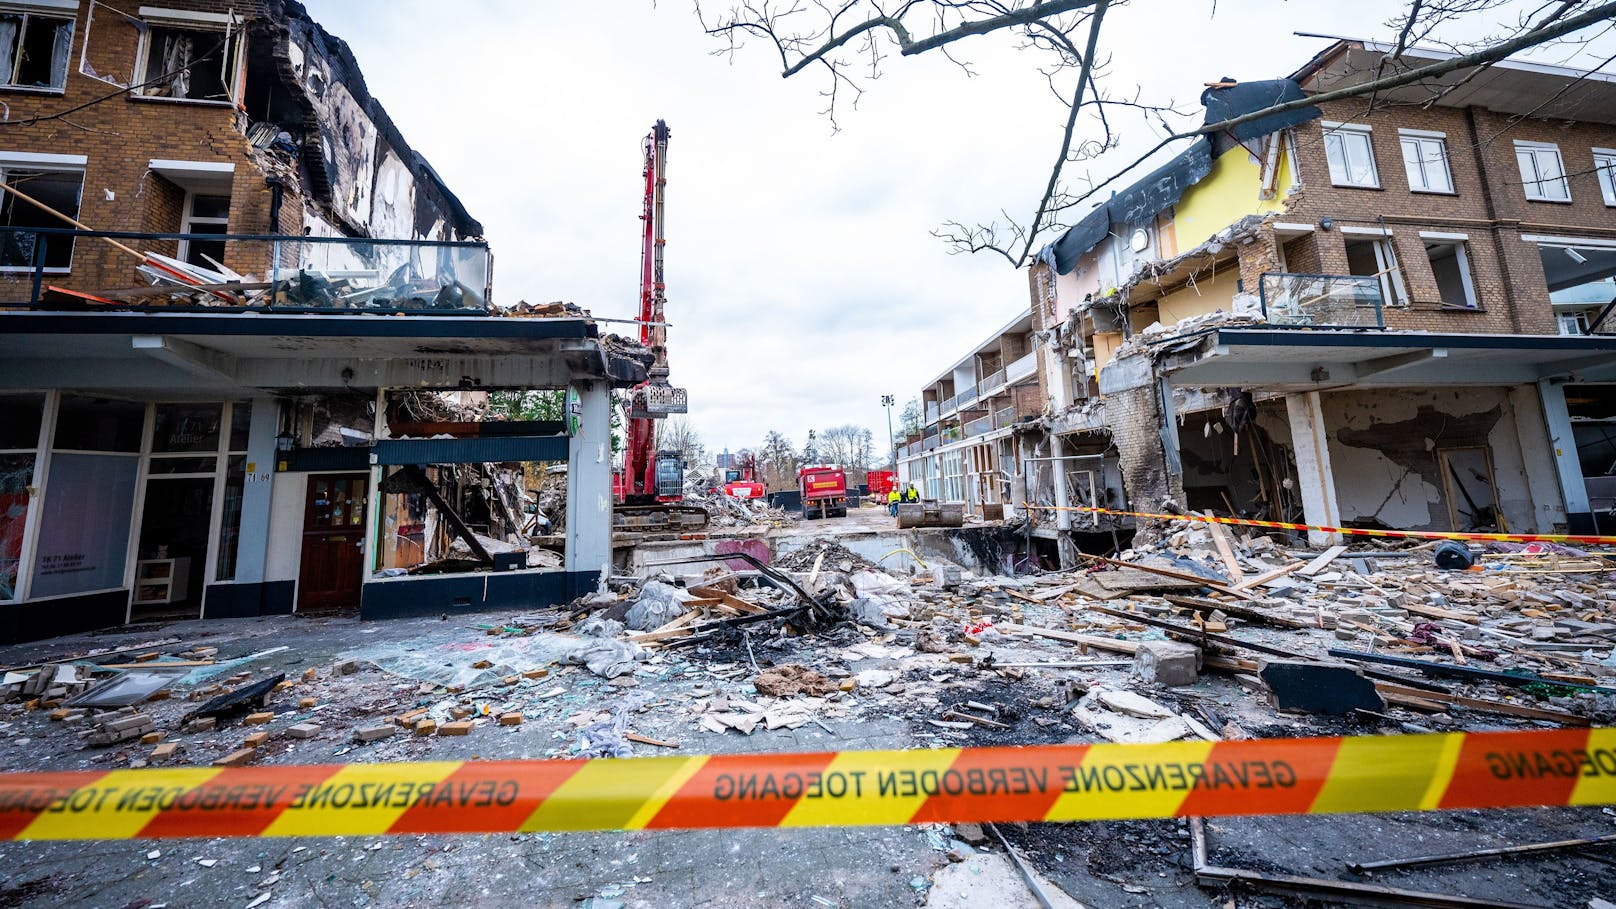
(1425, 157)
(1575, 323)
(192, 61)
(19, 443)
(1450, 263)
(205, 215)
(1605, 167)
(56, 190)
(1352, 159)
(1542, 172)
(1377, 259)
(34, 50)
(1472, 494)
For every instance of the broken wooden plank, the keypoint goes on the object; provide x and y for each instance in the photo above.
(1220, 538)
(1072, 637)
(1318, 564)
(729, 599)
(1267, 576)
(1170, 573)
(1235, 611)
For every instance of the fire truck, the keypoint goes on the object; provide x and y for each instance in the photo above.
(824, 491)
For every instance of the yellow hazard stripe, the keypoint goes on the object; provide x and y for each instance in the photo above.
(1034, 783)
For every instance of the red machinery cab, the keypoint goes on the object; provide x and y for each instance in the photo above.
(824, 491)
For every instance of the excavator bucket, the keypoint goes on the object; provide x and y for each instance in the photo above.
(653, 402)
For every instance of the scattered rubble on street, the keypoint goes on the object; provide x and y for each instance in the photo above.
(1170, 641)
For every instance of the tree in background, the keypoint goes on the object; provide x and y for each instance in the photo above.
(851, 446)
(777, 461)
(676, 434)
(913, 419)
(850, 43)
(526, 405)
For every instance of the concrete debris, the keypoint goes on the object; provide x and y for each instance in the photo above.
(793, 679)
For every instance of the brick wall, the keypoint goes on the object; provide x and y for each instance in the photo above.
(1488, 205)
(1134, 421)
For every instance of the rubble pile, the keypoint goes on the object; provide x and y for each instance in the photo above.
(726, 510)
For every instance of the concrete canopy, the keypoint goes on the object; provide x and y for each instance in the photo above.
(1293, 360)
(205, 353)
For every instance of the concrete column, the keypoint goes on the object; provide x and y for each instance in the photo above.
(252, 551)
(589, 483)
(1579, 515)
(1312, 441)
(1063, 500)
(1539, 474)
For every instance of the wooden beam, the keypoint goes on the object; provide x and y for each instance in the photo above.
(1317, 565)
(1220, 537)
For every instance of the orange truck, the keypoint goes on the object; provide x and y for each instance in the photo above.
(824, 491)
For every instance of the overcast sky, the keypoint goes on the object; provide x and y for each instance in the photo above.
(802, 281)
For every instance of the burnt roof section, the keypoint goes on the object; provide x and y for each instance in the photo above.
(286, 18)
(1245, 97)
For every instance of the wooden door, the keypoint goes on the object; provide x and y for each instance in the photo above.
(333, 535)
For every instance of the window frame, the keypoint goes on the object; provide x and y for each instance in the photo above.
(1532, 185)
(1461, 254)
(188, 218)
(186, 20)
(1359, 131)
(46, 163)
(1393, 289)
(1605, 171)
(29, 11)
(1419, 138)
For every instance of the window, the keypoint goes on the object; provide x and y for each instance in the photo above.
(190, 60)
(1425, 157)
(205, 215)
(1378, 259)
(1450, 263)
(1352, 160)
(34, 50)
(1575, 323)
(1605, 167)
(53, 183)
(19, 442)
(1542, 173)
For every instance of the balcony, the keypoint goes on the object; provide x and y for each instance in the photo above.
(932, 413)
(965, 397)
(949, 406)
(1004, 417)
(1322, 301)
(993, 382)
(263, 273)
(1022, 368)
(979, 426)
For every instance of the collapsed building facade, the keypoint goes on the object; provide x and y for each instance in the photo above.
(242, 328)
(1390, 315)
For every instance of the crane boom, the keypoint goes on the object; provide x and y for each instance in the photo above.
(650, 476)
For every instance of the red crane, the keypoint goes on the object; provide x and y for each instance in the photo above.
(653, 480)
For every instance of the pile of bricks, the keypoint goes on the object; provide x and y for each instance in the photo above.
(48, 687)
(119, 726)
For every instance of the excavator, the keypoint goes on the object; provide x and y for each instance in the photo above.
(652, 483)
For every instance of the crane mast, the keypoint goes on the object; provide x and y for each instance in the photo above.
(648, 476)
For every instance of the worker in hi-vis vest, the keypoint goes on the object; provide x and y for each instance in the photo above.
(893, 498)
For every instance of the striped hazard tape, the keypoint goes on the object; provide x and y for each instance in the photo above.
(847, 788)
(1585, 539)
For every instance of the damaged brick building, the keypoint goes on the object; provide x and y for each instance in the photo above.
(222, 271)
(1348, 314)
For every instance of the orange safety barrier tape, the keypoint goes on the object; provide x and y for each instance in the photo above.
(1035, 783)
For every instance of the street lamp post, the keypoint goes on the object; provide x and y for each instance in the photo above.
(892, 440)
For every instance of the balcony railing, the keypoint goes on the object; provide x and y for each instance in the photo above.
(1022, 368)
(979, 426)
(1004, 417)
(248, 272)
(966, 396)
(950, 405)
(991, 384)
(932, 413)
(1322, 301)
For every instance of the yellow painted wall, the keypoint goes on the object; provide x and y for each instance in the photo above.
(1105, 347)
(1209, 293)
(1229, 193)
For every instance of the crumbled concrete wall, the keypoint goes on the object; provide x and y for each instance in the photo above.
(1383, 451)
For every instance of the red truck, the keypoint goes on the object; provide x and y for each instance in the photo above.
(824, 491)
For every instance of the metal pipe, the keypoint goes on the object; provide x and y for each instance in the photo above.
(1447, 857)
